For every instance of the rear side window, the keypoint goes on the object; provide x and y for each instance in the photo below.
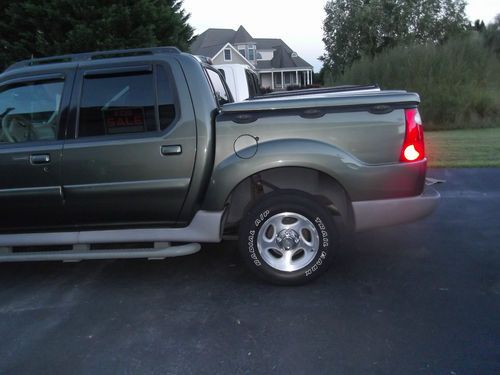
(221, 93)
(117, 104)
(253, 89)
(166, 99)
(30, 111)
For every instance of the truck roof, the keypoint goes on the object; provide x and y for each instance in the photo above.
(70, 60)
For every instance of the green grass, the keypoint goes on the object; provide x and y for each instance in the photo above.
(463, 148)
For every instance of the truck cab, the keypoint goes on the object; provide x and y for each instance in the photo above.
(104, 140)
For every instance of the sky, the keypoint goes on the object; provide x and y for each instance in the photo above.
(299, 24)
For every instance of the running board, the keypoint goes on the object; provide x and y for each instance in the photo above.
(205, 227)
(83, 252)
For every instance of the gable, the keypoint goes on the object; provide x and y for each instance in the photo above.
(236, 57)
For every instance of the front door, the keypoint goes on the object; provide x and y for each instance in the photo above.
(133, 152)
(30, 152)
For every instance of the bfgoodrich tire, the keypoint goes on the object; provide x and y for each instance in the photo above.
(288, 238)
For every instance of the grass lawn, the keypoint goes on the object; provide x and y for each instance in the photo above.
(463, 148)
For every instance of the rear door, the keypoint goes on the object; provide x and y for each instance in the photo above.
(30, 150)
(131, 157)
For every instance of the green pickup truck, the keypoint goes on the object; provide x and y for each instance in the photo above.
(143, 154)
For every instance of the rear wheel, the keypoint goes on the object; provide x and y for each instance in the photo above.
(288, 238)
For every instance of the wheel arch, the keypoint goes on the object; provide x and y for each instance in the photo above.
(323, 187)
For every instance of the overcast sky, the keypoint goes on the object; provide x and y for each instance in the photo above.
(299, 24)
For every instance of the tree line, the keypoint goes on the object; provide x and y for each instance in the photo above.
(453, 64)
(365, 28)
(39, 28)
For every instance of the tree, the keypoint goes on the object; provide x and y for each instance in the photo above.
(353, 28)
(41, 28)
(492, 34)
(478, 26)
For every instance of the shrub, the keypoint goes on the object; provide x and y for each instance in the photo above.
(265, 90)
(459, 81)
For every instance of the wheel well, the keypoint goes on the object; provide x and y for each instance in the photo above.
(320, 185)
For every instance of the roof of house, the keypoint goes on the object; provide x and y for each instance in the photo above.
(242, 36)
(283, 55)
(212, 41)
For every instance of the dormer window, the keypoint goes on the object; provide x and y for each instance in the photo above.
(227, 55)
(251, 54)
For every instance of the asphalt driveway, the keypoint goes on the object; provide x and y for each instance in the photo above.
(422, 298)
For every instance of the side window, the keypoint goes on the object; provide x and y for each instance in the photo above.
(252, 89)
(29, 111)
(166, 99)
(256, 84)
(223, 72)
(220, 91)
(117, 104)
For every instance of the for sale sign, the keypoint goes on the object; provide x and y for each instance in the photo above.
(124, 120)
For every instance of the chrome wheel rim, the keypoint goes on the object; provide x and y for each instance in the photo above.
(288, 241)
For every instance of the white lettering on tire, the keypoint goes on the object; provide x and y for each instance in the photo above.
(318, 263)
(324, 233)
(324, 243)
(251, 249)
(261, 218)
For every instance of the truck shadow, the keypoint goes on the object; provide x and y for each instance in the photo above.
(362, 256)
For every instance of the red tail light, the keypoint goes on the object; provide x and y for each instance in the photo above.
(413, 146)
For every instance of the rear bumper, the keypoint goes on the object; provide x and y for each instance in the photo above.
(387, 212)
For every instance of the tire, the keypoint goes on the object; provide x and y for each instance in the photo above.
(287, 238)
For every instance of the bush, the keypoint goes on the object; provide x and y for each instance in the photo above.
(459, 81)
(265, 90)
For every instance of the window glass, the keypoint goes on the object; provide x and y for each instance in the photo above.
(166, 99)
(251, 54)
(29, 111)
(227, 54)
(219, 88)
(117, 104)
(253, 83)
(256, 84)
(242, 52)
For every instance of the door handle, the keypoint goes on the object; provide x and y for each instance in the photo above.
(39, 159)
(171, 150)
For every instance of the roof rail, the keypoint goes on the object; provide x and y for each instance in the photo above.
(96, 55)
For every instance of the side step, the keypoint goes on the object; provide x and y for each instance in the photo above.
(161, 251)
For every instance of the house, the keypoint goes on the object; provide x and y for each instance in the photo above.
(277, 65)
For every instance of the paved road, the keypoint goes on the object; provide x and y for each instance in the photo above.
(417, 299)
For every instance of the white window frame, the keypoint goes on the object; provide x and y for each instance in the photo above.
(230, 54)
